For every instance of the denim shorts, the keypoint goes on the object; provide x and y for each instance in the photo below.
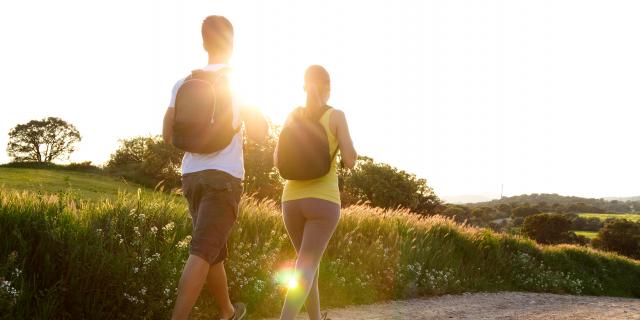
(213, 198)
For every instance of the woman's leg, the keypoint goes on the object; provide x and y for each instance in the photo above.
(313, 300)
(294, 223)
(321, 219)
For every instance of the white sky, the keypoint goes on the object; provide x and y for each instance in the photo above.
(541, 96)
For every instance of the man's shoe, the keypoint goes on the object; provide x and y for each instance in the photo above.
(241, 311)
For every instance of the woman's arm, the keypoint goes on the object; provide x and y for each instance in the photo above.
(347, 151)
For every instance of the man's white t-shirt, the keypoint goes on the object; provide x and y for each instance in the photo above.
(229, 159)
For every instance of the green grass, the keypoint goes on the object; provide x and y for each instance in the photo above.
(604, 216)
(89, 186)
(120, 257)
(587, 234)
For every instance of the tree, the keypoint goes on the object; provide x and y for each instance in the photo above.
(261, 177)
(524, 211)
(42, 140)
(456, 212)
(148, 161)
(547, 228)
(384, 186)
(621, 236)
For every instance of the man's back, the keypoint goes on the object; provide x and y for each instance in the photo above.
(229, 159)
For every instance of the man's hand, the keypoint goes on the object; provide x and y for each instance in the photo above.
(255, 124)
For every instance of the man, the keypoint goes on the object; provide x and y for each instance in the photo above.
(212, 185)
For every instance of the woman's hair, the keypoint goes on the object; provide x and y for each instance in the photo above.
(317, 75)
(316, 78)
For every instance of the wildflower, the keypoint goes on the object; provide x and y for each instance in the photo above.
(131, 298)
(184, 242)
(6, 286)
(136, 230)
(168, 227)
(143, 291)
(154, 230)
(135, 269)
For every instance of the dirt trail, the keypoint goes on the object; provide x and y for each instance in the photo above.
(503, 305)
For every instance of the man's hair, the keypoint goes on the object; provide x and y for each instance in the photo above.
(217, 35)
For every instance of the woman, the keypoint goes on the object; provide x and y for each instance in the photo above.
(311, 208)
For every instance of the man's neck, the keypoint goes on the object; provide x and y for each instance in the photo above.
(218, 60)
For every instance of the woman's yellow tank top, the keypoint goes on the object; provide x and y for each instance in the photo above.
(325, 187)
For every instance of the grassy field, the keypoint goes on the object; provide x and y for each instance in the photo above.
(120, 258)
(89, 186)
(588, 234)
(604, 216)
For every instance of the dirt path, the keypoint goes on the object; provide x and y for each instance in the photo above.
(504, 305)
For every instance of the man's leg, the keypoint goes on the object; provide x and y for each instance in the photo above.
(217, 284)
(191, 282)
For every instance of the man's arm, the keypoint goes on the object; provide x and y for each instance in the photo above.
(255, 124)
(167, 125)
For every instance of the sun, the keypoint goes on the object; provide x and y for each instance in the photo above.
(275, 95)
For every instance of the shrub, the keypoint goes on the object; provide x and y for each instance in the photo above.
(547, 228)
(621, 236)
(384, 186)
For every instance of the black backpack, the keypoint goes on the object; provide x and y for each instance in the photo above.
(203, 120)
(303, 148)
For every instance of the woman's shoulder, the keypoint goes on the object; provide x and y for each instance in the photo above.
(337, 115)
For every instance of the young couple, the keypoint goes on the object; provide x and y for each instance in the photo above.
(212, 181)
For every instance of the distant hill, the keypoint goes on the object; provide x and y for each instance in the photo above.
(559, 203)
(469, 198)
(636, 198)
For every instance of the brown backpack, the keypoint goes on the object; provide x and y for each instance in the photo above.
(203, 120)
(303, 148)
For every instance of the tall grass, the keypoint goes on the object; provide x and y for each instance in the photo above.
(62, 257)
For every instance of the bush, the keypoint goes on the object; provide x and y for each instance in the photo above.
(621, 236)
(148, 161)
(384, 186)
(62, 257)
(547, 228)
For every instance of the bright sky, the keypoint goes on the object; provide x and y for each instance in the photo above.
(538, 96)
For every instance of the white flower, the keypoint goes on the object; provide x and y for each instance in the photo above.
(143, 291)
(8, 288)
(135, 269)
(154, 230)
(184, 242)
(169, 226)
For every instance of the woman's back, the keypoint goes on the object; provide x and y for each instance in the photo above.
(325, 187)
